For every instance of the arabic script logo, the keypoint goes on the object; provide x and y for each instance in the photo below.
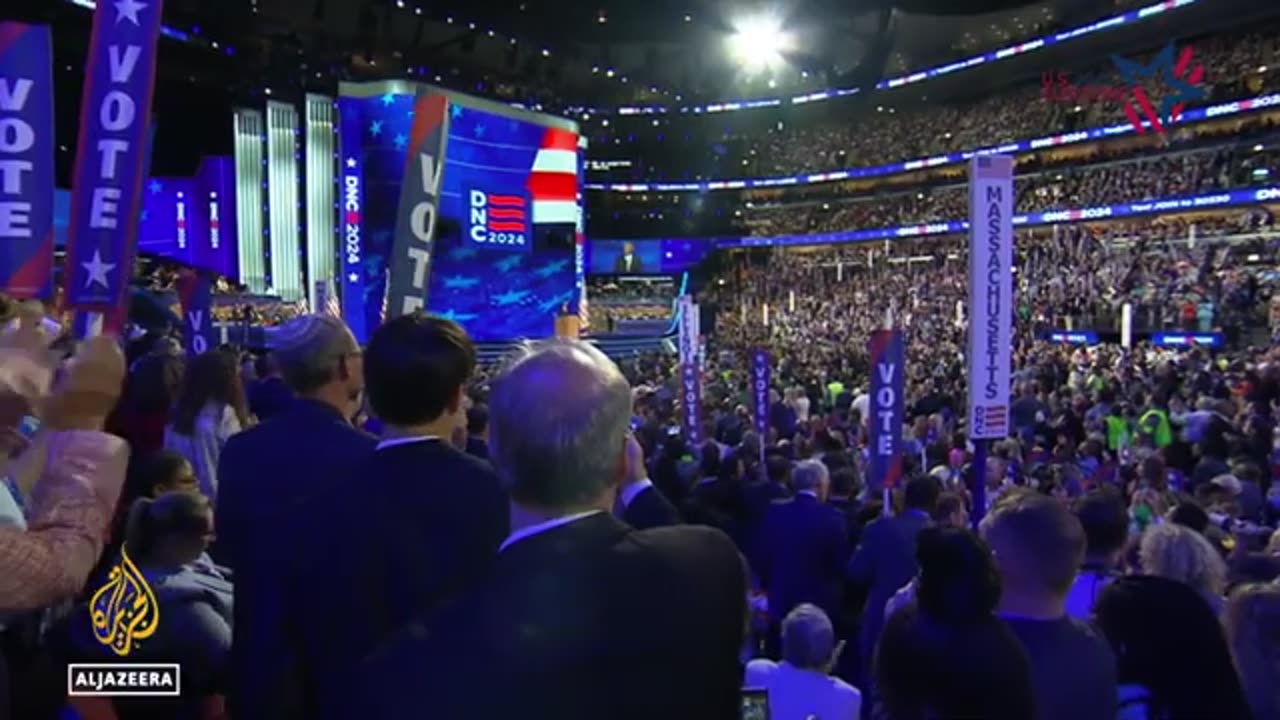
(1182, 81)
(124, 610)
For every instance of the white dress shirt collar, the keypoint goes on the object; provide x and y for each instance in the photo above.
(526, 532)
(630, 492)
(392, 442)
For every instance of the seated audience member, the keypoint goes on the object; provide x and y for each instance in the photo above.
(265, 475)
(166, 539)
(421, 520)
(1171, 657)
(800, 687)
(1039, 546)
(641, 504)
(147, 477)
(1178, 553)
(582, 616)
(1253, 632)
(1105, 520)
(945, 655)
(805, 546)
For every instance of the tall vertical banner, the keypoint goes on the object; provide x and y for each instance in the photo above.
(195, 293)
(760, 378)
(886, 409)
(410, 262)
(115, 113)
(26, 160)
(990, 295)
(690, 378)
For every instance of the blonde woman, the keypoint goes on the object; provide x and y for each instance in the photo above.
(1179, 553)
(1253, 632)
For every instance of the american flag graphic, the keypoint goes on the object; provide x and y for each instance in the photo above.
(991, 419)
(554, 188)
(506, 214)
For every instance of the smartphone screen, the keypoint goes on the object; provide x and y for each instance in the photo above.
(755, 705)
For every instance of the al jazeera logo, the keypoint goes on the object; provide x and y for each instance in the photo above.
(124, 613)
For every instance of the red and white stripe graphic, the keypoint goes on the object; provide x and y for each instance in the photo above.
(553, 183)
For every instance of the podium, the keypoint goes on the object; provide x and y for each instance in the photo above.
(568, 326)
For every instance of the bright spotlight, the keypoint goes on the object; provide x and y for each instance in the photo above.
(758, 43)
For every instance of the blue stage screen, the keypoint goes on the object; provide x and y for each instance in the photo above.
(499, 281)
(651, 256)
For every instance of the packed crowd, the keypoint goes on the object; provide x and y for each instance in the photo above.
(1135, 180)
(539, 538)
(883, 134)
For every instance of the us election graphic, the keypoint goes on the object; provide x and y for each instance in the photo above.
(111, 157)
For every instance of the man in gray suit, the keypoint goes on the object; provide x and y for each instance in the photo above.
(886, 558)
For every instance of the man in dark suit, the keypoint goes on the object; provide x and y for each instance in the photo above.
(886, 558)
(628, 262)
(420, 520)
(640, 504)
(269, 395)
(582, 616)
(805, 547)
(265, 475)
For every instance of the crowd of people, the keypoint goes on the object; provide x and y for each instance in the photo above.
(340, 531)
(1087, 186)
(1233, 68)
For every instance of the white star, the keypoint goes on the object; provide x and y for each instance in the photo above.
(353, 277)
(351, 162)
(128, 9)
(98, 271)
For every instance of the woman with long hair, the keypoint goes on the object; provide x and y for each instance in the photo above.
(1172, 661)
(1253, 632)
(944, 655)
(211, 408)
(1178, 553)
(143, 411)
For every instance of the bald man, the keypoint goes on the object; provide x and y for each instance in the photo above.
(582, 616)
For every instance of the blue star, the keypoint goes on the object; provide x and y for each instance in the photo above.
(375, 128)
(145, 214)
(388, 99)
(1162, 66)
(128, 10)
(455, 111)
(401, 141)
(479, 130)
(155, 187)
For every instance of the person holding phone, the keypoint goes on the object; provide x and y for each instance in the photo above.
(800, 687)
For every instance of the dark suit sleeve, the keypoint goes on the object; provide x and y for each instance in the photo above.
(838, 542)
(227, 516)
(862, 566)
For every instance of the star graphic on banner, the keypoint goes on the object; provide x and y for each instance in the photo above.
(128, 9)
(144, 215)
(353, 277)
(375, 128)
(455, 111)
(155, 187)
(98, 270)
(351, 162)
(1163, 65)
(388, 99)
(478, 130)
(401, 141)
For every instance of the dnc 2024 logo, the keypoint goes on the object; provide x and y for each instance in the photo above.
(1182, 80)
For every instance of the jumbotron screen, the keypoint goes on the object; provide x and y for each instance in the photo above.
(506, 260)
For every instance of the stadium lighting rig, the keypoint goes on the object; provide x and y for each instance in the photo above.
(758, 43)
